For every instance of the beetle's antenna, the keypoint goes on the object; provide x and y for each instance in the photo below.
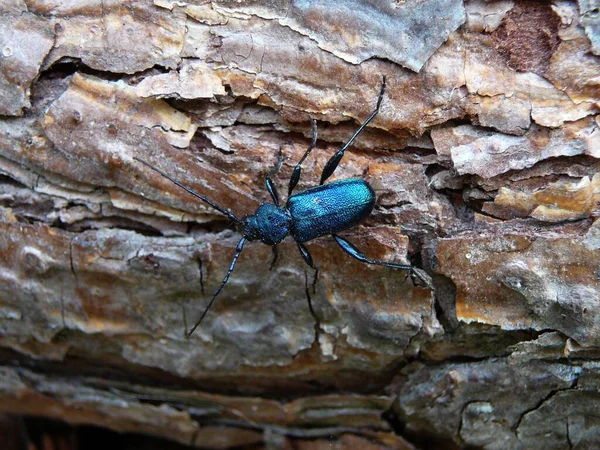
(298, 169)
(337, 156)
(238, 250)
(191, 191)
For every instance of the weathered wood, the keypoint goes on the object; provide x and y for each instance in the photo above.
(484, 158)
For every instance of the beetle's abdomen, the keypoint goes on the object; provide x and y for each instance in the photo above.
(330, 208)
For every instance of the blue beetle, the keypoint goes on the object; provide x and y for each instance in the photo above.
(319, 211)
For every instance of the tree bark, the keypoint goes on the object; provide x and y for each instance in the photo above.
(484, 159)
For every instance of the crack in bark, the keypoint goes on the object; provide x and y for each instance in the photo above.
(71, 263)
(445, 292)
(199, 262)
(568, 434)
(550, 395)
(200, 417)
(317, 325)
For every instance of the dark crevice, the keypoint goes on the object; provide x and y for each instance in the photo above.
(434, 169)
(464, 212)
(422, 440)
(40, 210)
(68, 66)
(82, 226)
(122, 224)
(445, 303)
(44, 433)
(63, 68)
(55, 79)
(5, 179)
(80, 365)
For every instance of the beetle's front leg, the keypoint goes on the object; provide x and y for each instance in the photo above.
(356, 253)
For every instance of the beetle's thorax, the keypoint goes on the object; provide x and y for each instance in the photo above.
(269, 224)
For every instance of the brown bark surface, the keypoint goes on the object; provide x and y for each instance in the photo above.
(485, 161)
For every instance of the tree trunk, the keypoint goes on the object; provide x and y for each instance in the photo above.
(484, 160)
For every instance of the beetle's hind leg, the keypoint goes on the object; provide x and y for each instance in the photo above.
(337, 157)
(356, 253)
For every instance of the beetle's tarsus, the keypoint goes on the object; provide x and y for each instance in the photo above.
(275, 257)
(349, 248)
(426, 280)
(306, 255)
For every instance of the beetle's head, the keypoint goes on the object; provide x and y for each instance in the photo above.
(269, 224)
(250, 228)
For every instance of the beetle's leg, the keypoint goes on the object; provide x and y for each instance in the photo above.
(269, 182)
(337, 157)
(356, 253)
(275, 257)
(238, 250)
(308, 259)
(298, 169)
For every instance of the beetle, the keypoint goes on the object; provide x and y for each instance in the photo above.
(319, 211)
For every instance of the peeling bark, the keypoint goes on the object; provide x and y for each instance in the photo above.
(485, 161)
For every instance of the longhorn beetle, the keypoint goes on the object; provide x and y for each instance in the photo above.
(319, 211)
